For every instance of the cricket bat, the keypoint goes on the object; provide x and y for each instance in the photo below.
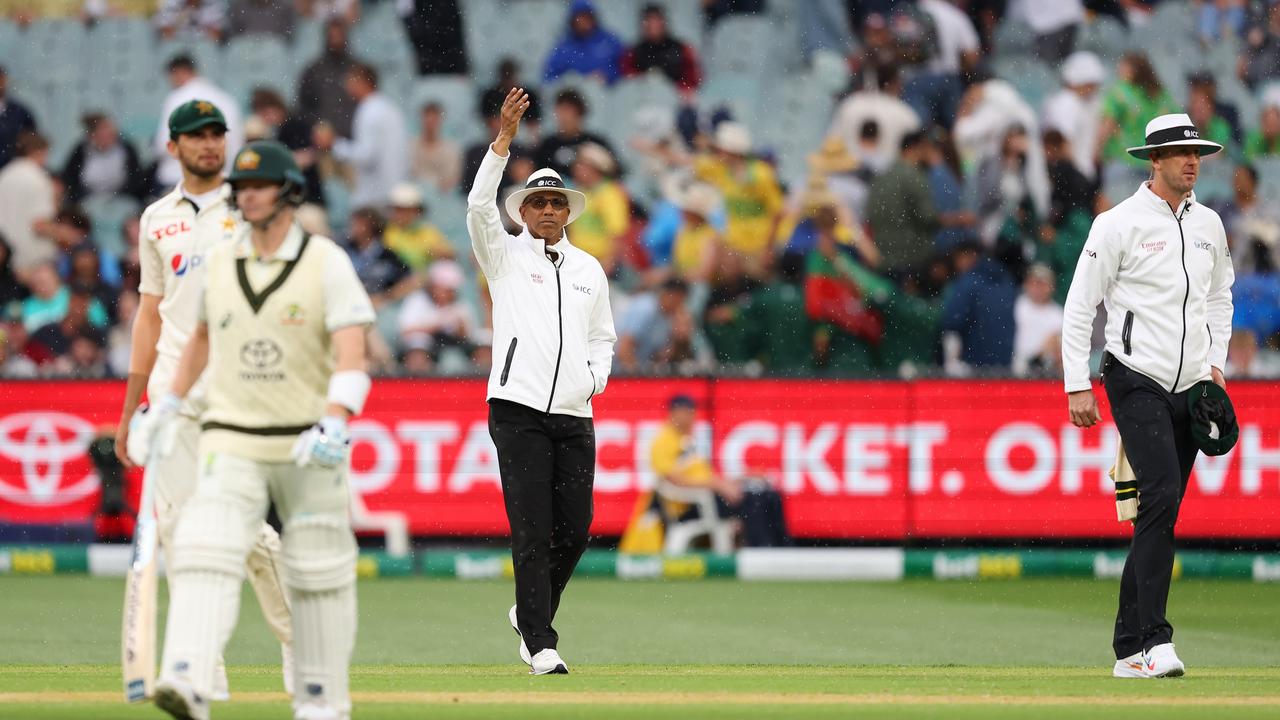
(138, 636)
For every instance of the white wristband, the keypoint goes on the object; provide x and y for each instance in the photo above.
(349, 388)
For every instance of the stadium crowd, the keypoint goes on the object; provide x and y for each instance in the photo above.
(922, 215)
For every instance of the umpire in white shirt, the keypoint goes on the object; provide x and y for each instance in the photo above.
(553, 346)
(1159, 263)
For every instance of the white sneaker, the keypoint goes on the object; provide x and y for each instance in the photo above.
(1130, 667)
(548, 662)
(286, 667)
(316, 712)
(178, 699)
(1162, 662)
(524, 649)
(221, 688)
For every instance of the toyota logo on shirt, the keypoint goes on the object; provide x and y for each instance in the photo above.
(41, 444)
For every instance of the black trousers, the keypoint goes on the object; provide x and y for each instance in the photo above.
(548, 465)
(1156, 429)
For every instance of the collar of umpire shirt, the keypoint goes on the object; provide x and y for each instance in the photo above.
(1155, 201)
(540, 246)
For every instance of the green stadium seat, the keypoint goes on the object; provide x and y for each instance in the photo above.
(258, 60)
(622, 17)
(1033, 79)
(1013, 39)
(1104, 36)
(108, 216)
(457, 95)
(337, 199)
(741, 44)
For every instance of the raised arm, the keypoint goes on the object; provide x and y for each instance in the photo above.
(484, 223)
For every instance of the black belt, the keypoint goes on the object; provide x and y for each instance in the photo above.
(269, 431)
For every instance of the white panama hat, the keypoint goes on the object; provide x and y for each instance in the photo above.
(1173, 130)
(545, 180)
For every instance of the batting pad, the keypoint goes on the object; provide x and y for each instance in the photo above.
(211, 535)
(324, 635)
(266, 575)
(320, 553)
(202, 613)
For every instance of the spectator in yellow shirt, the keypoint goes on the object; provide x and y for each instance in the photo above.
(408, 234)
(601, 227)
(753, 198)
(676, 458)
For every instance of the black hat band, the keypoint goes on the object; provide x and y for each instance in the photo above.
(545, 182)
(1173, 134)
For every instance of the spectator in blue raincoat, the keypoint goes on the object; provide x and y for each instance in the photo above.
(586, 48)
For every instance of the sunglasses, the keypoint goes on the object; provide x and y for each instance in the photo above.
(557, 203)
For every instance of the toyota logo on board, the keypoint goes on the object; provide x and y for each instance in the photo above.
(41, 444)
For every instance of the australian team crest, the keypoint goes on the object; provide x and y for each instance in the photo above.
(248, 160)
(293, 315)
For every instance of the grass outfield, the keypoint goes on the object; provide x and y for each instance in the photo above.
(709, 649)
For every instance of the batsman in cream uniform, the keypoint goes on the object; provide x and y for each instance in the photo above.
(281, 330)
(176, 235)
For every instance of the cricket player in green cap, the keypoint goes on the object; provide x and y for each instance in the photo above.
(280, 327)
(176, 235)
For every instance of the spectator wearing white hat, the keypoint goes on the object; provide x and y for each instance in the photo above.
(752, 195)
(881, 108)
(604, 223)
(1037, 324)
(435, 319)
(408, 234)
(1076, 109)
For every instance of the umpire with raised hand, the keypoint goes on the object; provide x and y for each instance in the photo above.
(553, 347)
(1159, 262)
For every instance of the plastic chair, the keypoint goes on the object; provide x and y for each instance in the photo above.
(681, 533)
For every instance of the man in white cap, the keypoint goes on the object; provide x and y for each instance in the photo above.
(1076, 109)
(553, 342)
(1160, 264)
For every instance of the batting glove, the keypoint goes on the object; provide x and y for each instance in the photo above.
(152, 430)
(325, 444)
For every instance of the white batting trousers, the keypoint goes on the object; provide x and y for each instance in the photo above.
(175, 482)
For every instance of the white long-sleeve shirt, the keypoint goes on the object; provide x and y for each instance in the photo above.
(378, 150)
(1165, 278)
(553, 330)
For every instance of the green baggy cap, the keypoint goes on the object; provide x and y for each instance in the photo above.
(1213, 418)
(193, 115)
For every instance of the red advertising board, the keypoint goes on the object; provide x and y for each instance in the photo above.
(856, 460)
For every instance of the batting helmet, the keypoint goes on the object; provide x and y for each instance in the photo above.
(271, 161)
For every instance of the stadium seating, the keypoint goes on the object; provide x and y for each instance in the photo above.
(457, 96)
(253, 61)
(741, 45)
(107, 216)
(1104, 36)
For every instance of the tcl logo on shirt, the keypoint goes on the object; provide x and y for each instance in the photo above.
(181, 263)
(171, 229)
